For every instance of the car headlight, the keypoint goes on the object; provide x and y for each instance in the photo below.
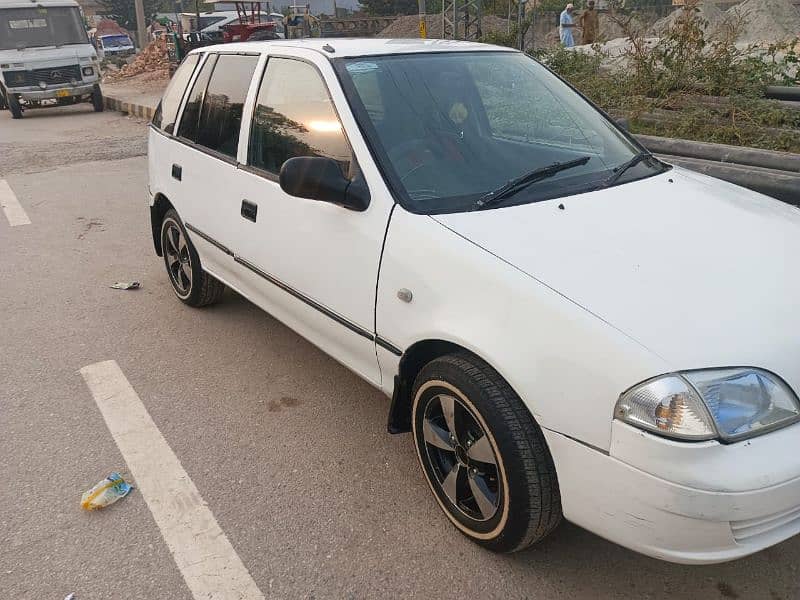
(88, 71)
(15, 78)
(725, 404)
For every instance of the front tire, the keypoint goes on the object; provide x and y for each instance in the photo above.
(191, 284)
(97, 99)
(485, 458)
(14, 106)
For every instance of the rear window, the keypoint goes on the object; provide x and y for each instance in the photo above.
(167, 110)
(221, 115)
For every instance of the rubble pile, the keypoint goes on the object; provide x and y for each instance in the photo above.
(704, 10)
(152, 61)
(765, 21)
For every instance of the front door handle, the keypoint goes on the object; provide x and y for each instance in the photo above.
(249, 210)
(177, 172)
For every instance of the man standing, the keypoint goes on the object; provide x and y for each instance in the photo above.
(566, 25)
(590, 24)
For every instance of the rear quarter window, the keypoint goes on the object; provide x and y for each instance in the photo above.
(167, 110)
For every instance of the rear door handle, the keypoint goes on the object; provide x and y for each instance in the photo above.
(249, 210)
(177, 172)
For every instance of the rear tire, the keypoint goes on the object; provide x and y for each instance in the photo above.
(97, 99)
(14, 106)
(484, 456)
(191, 284)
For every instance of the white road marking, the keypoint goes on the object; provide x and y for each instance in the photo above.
(205, 557)
(11, 206)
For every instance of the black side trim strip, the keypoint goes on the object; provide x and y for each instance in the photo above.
(388, 346)
(209, 239)
(313, 304)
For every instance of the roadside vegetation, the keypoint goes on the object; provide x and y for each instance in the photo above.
(693, 82)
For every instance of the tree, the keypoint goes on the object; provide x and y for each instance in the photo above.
(124, 13)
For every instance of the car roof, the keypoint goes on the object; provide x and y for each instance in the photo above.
(350, 47)
(37, 3)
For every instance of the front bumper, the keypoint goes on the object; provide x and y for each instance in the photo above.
(673, 521)
(35, 93)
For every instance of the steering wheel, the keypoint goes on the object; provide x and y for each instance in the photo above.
(402, 154)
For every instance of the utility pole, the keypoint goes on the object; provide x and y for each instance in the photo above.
(141, 26)
(423, 25)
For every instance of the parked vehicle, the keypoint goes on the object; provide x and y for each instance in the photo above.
(212, 23)
(118, 44)
(45, 56)
(566, 324)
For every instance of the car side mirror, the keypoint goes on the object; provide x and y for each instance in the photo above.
(318, 178)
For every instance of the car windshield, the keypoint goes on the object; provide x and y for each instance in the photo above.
(116, 41)
(449, 128)
(39, 26)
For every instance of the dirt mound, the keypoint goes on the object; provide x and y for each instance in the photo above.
(152, 60)
(704, 10)
(765, 20)
(408, 26)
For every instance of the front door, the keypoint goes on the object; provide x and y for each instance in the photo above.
(317, 262)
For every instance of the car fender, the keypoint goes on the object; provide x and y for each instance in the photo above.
(568, 365)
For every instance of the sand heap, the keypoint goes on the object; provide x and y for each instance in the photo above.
(704, 10)
(408, 26)
(765, 20)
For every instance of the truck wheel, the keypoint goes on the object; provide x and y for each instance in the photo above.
(484, 456)
(190, 282)
(97, 98)
(14, 107)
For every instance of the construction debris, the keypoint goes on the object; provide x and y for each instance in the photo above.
(153, 61)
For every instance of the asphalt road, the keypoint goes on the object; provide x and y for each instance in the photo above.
(287, 448)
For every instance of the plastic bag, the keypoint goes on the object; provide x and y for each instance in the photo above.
(106, 492)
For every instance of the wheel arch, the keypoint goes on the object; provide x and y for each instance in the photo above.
(413, 359)
(158, 209)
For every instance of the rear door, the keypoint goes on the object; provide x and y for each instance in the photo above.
(312, 264)
(205, 165)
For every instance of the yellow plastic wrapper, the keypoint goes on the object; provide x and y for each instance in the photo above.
(106, 492)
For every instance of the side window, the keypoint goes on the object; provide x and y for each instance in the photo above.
(221, 115)
(167, 110)
(191, 114)
(294, 116)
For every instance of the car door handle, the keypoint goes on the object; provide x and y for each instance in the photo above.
(177, 172)
(249, 210)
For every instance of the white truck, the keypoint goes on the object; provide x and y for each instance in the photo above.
(45, 56)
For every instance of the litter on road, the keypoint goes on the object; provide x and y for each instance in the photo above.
(126, 285)
(105, 492)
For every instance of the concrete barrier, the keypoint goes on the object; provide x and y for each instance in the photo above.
(755, 157)
(782, 185)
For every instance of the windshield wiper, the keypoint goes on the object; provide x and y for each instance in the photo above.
(620, 170)
(515, 185)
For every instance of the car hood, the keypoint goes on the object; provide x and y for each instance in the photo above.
(701, 272)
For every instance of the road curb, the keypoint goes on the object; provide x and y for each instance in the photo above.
(137, 110)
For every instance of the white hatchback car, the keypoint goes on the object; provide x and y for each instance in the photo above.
(567, 325)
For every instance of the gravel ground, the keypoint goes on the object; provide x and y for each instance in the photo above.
(50, 137)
